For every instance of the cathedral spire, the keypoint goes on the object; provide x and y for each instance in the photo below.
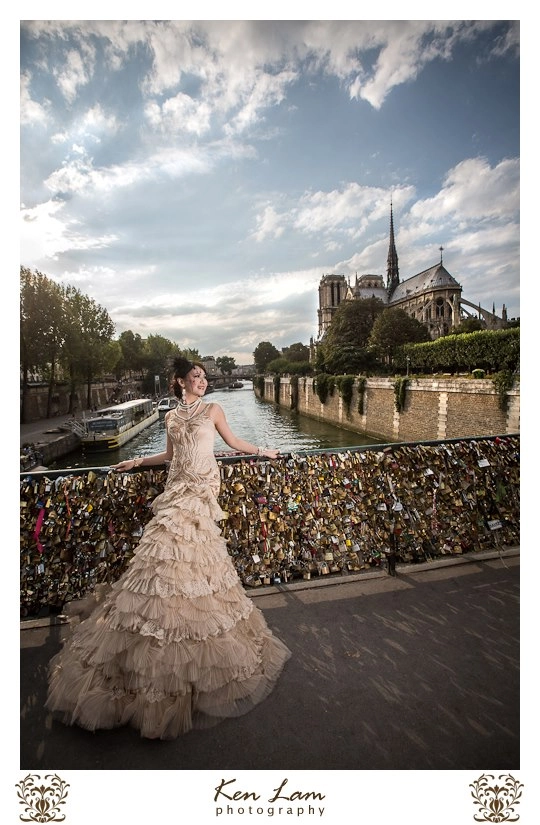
(392, 269)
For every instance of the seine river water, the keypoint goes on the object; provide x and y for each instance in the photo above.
(256, 421)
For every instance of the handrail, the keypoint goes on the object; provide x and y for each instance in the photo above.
(235, 458)
(312, 512)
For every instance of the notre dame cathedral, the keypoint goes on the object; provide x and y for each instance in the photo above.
(433, 296)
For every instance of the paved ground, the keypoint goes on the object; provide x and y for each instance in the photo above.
(42, 431)
(417, 672)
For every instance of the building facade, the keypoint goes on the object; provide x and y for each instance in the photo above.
(433, 296)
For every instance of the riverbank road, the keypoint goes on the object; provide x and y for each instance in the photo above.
(46, 429)
(416, 672)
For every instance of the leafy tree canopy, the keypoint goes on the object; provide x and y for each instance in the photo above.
(296, 352)
(344, 348)
(468, 325)
(225, 364)
(352, 323)
(264, 353)
(393, 328)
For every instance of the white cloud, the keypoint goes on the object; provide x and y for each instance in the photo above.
(45, 233)
(269, 224)
(31, 112)
(76, 71)
(473, 190)
(347, 211)
(179, 114)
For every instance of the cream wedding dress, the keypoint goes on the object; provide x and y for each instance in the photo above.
(176, 644)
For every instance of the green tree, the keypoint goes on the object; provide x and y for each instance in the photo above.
(392, 329)
(90, 330)
(468, 325)
(158, 355)
(191, 354)
(264, 353)
(225, 364)
(132, 352)
(278, 365)
(344, 348)
(42, 331)
(296, 352)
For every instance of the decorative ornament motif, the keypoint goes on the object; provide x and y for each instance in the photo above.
(496, 802)
(187, 411)
(42, 802)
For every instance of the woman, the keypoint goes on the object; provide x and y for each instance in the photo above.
(176, 644)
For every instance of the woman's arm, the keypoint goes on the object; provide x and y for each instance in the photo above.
(147, 460)
(220, 422)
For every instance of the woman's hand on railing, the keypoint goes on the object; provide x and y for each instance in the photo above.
(125, 466)
(267, 452)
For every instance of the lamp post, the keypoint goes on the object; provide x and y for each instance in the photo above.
(408, 360)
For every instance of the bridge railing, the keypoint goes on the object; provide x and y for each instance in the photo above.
(307, 514)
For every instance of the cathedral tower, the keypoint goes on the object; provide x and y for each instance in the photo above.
(332, 291)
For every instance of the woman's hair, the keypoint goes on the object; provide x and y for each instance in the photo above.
(181, 367)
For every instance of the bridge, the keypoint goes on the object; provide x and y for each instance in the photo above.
(219, 381)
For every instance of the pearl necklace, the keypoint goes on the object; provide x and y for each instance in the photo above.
(188, 409)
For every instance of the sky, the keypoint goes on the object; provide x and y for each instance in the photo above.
(197, 179)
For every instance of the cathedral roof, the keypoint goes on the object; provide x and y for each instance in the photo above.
(436, 277)
(372, 292)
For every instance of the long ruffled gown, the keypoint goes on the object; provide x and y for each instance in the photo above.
(176, 644)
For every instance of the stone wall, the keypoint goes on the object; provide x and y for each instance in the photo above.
(434, 409)
(102, 392)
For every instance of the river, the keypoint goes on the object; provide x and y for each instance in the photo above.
(256, 421)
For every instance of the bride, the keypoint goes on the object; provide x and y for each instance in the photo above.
(176, 644)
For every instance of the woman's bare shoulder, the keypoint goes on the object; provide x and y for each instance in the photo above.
(213, 407)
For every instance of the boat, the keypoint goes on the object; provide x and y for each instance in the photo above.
(112, 427)
(236, 385)
(166, 404)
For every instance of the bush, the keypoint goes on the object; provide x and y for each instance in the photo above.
(277, 383)
(361, 390)
(324, 386)
(345, 384)
(400, 388)
(503, 381)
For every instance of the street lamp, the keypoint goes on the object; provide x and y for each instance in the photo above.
(408, 360)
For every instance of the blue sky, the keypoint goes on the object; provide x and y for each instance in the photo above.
(198, 179)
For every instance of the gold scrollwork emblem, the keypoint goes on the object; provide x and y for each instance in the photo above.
(42, 802)
(496, 797)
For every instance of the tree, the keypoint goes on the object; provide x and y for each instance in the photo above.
(263, 354)
(225, 364)
(158, 355)
(349, 359)
(468, 325)
(132, 347)
(90, 331)
(344, 348)
(191, 354)
(296, 352)
(42, 330)
(392, 329)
